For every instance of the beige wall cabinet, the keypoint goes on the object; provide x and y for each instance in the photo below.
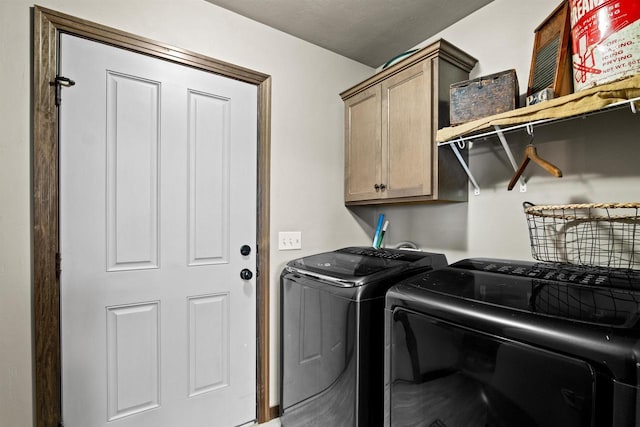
(390, 124)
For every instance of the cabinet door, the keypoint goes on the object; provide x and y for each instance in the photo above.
(407, 132)
(362, 146)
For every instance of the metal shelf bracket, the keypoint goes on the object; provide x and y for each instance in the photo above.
(507, 150)
(454, 147)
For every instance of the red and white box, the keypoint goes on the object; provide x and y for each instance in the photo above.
(605, 40)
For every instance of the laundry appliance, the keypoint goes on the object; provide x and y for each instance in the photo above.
(332, 333)
(496, 343)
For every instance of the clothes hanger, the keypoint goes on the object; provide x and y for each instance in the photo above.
(530, 153)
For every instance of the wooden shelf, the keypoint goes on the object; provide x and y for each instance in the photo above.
(597, 100)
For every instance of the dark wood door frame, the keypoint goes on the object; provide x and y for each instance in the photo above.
(47, 26)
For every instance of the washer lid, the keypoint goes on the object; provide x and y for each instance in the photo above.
(573, 294)
(357, 265)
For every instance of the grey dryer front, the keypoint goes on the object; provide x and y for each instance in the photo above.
(332, 333)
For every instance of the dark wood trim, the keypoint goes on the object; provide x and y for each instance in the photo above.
(263, 276)
(48, 24)
(46, 296)
(274, 411)
(91, 30)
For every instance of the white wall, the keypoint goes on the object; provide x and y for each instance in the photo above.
(307, 150)
(597, 155)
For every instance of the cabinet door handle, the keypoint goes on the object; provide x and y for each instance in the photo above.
(377, 187)
(383, 187)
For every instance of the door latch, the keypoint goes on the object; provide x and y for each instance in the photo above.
(59, 83)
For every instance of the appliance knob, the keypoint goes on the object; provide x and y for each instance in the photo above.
(246, 274)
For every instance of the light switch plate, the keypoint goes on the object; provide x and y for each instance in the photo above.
(289, 240)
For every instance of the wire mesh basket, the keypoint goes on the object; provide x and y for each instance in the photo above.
(592, 235)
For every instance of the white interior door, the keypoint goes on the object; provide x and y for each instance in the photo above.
(157, 194)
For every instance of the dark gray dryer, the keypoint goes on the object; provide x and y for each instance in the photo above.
(332, 333)
(496, 343)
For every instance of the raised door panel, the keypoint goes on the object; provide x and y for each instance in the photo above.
(133, 139)
(406, 129)
(209, 141)
(133, 359)
(209, 351)
(362, 145)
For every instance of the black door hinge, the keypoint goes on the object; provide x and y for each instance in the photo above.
(60, 82)
(58, 266)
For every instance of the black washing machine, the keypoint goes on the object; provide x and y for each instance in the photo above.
(332, 333)
(496, 343)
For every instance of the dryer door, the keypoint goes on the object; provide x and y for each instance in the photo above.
(318, 352)
(444, 375)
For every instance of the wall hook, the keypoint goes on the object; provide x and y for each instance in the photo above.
(529, 129)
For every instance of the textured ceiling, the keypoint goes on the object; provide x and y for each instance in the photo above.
(367, 31)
